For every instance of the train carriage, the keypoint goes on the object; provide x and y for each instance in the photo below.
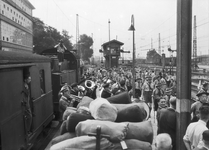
(13, 132)
(69, 72)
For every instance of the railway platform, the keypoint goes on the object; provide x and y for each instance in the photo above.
(47, 135)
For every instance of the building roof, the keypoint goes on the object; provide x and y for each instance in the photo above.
(29, 4)
(112, 41)
(11, 57)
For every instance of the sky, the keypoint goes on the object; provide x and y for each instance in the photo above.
(152, 19)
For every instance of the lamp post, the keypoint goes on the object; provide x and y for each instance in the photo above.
(132, 28)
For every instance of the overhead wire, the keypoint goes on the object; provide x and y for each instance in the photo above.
(154, 41)
(175, 35)
(63, 12)
(102, 24)
(159, 25)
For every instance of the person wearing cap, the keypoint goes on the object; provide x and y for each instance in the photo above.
(115, 87)
(167, 121)
(74, 89)
(122, 87)
(147, 91)
(168, 93)
(128, 83)
(162, 80)
(204, 143)
(66, 100)
(173, 86)
(194, 131)
(205, 86)
(27, 101)
(202, 96)
(106, 91)
(157, 94)
(137, 90)
(156, 81)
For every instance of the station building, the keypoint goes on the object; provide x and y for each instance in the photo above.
(16, 25)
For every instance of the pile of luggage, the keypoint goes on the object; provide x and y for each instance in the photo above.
(115, 123)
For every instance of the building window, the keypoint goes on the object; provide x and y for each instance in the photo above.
(3, 38)
(7, 39)
(4, 6)
(2, 12)
(7, 8)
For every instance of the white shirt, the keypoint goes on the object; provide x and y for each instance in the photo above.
(194, 133)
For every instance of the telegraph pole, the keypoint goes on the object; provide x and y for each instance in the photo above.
(109, 46)
(184, 42)
(77, 36)
(159, 48)
(194, 44)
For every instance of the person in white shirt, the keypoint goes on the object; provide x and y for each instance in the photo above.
(194, 131)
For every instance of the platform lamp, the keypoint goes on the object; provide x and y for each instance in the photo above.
(132, 28)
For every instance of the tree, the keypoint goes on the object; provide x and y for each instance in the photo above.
(85, 44)
(46, 37)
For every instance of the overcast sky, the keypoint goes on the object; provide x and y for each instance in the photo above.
(151, 18)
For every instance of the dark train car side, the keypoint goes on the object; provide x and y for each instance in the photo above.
(14, 134)
(68, 72)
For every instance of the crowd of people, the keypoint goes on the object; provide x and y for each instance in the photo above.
(157, 89)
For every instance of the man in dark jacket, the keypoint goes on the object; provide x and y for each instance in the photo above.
(167, 121)
(157, 94)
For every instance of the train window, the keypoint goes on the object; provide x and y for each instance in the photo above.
(42, 81)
